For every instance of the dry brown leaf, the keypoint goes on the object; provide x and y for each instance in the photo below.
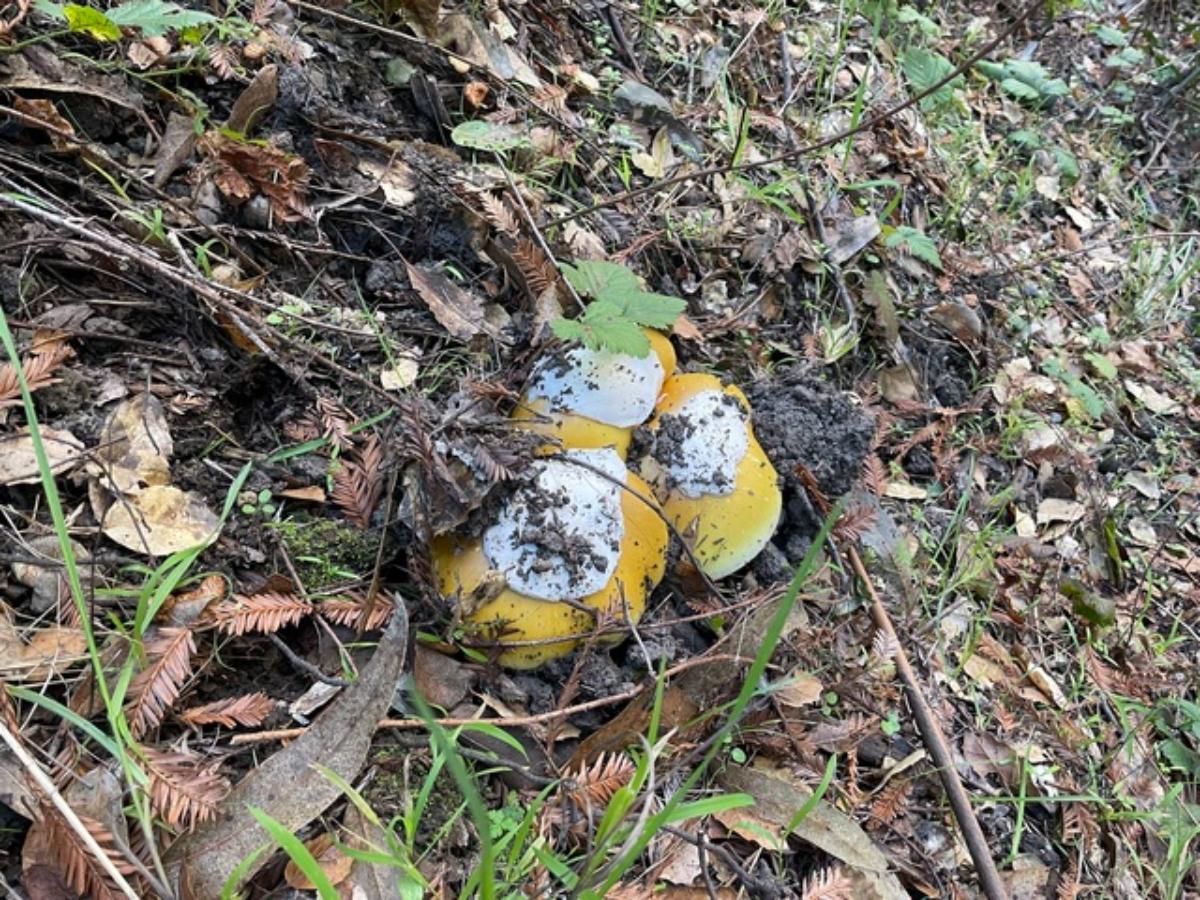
(184, 787)
(243, 169)
(135, 446)
(459, 312)
(352, 612)
(154, 689)
(255, 100)
(159, 520)
(248, 710)
(333, 862)
(261, 613)
(39, 653)
(358, 483)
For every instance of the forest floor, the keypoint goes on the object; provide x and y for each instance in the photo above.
(273, 278)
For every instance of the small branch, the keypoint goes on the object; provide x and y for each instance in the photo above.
(935, 742)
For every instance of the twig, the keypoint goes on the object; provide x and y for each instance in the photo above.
(935, 743)
(864, 125)
(287, 734)
(47, 787)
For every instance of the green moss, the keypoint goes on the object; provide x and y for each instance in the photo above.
(326, 551)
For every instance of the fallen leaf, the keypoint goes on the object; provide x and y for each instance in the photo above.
(159, 520)
(39, 653)
(255, 100)
(1157, 403)
(396, 179)
(456, 310)
(333, 862)
(401, 374)
(135, 446)
(18, 462)
(778, 797)
(902, 490)
(443, 681)
(1055, 509)
(801, 690)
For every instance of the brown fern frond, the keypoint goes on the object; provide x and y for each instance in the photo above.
(352, 612)
(358, 483)
(78, 866)
(813, 487)
(855, 522)
(248, 710)
(593, 786)
(889, 803)
(302, 429)
(874, 475)
(223, 60)
(498, 214)
(884, 648)
(261, 613)
(536, 267)
(156, 687)
(335, 423)
(831, 883)
(184, 787)
(39, 371)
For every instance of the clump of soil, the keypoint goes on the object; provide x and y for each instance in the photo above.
(800, 420)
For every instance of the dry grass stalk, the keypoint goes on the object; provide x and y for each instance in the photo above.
(157, 687)
(248, 710)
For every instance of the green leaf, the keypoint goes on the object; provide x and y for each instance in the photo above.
(157, 17)
(1065, 160)
(90, 21)
(597, 278)
(915, 243)
(994, 71)
(299, 854)
(480, 135)
(1110, 37)
(1103, 365)
(1020, 89)
(1030, 140)
(924, 68)
(1126, 59)
(654, 310)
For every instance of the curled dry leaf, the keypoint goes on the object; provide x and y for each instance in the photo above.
(261, 613)
(156, 687)
(40, 653)
(184, 787)
(333, 862)
(249, 711)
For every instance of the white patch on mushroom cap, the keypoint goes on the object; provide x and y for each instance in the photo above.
(613, 388)
(559, 534)
(700, 444)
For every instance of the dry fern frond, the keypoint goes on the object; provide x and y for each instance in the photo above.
(39, 370)
(536, 268)
(248, 710)
(889, 803)
(498, 215)
(223, 60)
(262, 613)
(350, 611)
(335, 423)
(184, 787)
(828, 884)
(157, 686)
(78, 866)
(593, 786)
(874, 475)
(358, 483)
(855, 522)
(884, 648)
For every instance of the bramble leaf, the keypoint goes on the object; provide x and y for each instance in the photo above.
(915, 243)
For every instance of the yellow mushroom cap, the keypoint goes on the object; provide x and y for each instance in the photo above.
(595, 398)
(571, 533)
(716, 484)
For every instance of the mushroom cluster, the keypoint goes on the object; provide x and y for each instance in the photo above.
(585, 534)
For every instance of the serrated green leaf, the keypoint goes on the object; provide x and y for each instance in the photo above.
(654, 310)
(1020, 89)
(1110, 37)
(1067, 164)
(91, 21)
(480, 135)
(569, 330)
(596, 278)
(1028, 71)
(157, 17)
(1030, 140)
(1126, 59)
(915, 243)
(924, 68)
(620, 335)
(1103, 365)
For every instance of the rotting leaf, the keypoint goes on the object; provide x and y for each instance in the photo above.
(778, 799)
(333, 862)
(244, 169)
(158, 521)
(255, 101)
(456, 310)
(135, 446)
(39, 653)
(288, 786)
